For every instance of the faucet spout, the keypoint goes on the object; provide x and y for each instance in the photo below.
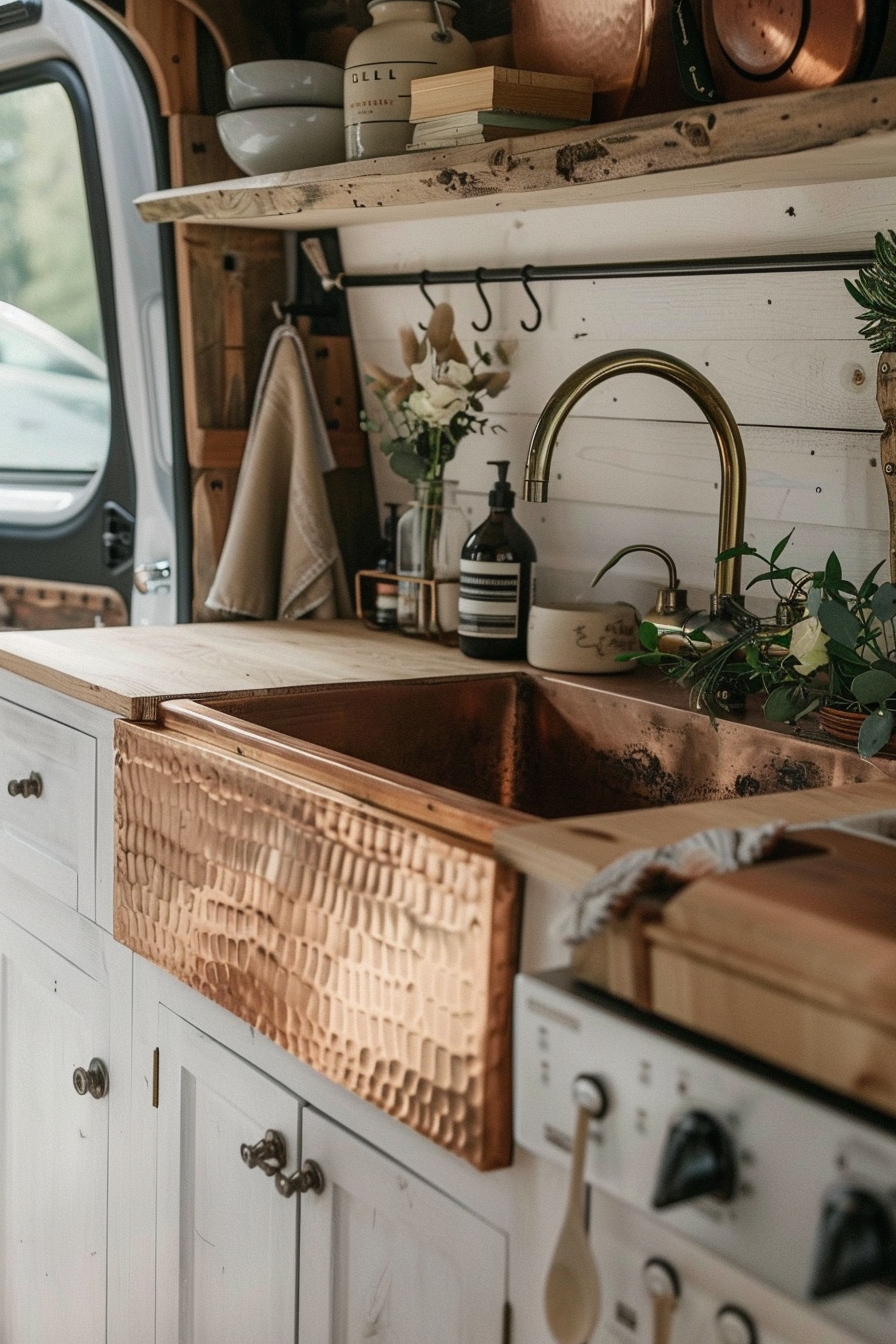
(715, 409)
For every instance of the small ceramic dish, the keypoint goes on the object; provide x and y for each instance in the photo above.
(280, 139)
(284, 84)
(582, 637)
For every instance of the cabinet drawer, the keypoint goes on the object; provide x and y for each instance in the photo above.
(48, 840)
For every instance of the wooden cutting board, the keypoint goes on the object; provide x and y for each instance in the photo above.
(793, 960)
(826, 918)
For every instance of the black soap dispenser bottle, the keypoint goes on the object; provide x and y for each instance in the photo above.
(496, 580)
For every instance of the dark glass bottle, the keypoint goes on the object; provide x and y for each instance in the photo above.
(496, 580)
(385, 612)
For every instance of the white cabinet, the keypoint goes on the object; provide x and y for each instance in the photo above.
(384, 1256)
(54, 1147)
(226, 1240)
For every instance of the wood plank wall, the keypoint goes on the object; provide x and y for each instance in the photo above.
(634, 462)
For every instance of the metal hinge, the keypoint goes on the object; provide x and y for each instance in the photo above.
(155, 1077)
(507, 1337)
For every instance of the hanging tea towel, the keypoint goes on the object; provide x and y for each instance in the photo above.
(663, 871)
(281, 558)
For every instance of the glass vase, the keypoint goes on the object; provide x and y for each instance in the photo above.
(431, 536)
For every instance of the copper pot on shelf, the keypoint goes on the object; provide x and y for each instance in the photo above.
(761, 47)
(624, 45)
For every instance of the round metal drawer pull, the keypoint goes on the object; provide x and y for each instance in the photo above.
(269, 1155)
(93, 1081)
(32, 787)
(309, 1180)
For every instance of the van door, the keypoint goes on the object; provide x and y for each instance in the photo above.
(87, 444)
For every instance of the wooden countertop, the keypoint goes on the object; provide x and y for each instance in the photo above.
(130, 669)
(570, 852)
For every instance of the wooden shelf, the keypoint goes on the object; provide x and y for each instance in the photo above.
(839, 134)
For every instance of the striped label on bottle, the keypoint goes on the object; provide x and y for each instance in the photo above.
(489, 599)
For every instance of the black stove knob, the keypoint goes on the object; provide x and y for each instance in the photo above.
(698, 1160)
(856, 1243)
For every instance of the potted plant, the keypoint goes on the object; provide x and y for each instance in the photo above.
(831, 648)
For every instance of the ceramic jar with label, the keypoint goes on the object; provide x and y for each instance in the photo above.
(410, 39)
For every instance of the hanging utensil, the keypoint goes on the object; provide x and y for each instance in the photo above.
(572, 1294)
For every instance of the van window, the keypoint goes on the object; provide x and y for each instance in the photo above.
(54, 384)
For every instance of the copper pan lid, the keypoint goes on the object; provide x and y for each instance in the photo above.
(761, 47)
(606, 39)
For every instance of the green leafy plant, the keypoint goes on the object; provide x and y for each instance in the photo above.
(875, 290)
(831, 644)
(438, 401)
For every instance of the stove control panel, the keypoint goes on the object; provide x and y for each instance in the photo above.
(789, 1189)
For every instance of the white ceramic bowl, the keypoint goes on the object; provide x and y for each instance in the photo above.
(279, 139)
(582, 637)
(284, 84)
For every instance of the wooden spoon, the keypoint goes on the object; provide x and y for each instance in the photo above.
(664, 1289)
(572, 1290)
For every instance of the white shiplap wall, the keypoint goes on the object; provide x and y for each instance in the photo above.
(634, 461)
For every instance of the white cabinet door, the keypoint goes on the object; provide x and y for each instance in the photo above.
(226, 1241)
(54, 1146)
(386, 1257)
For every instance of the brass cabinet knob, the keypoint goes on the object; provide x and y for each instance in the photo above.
(269, 1155)
(309, 1180)
(92, 1081)
(32, 787)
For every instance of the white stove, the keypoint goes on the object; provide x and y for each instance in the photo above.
(773, 1203)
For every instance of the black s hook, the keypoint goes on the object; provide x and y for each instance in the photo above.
(488, 309)
(424, 281)
(525, 276)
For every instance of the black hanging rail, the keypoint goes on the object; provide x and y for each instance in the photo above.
(625, 270)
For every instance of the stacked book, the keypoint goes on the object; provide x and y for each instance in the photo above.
(469, 107)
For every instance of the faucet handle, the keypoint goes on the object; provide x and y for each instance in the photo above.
(671, 610)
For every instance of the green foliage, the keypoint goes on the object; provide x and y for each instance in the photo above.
(837, 647)
(875, 290)
(876, 732)
(46, 253)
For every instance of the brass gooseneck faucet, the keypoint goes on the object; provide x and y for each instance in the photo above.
(711, 403)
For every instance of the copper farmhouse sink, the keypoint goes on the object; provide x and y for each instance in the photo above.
(319, 860)
(545, 745)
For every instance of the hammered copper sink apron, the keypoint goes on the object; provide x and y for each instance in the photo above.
(319, 860)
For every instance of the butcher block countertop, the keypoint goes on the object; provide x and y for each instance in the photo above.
(570, 852)
(130, 669)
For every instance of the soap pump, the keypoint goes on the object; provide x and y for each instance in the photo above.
(496, 580)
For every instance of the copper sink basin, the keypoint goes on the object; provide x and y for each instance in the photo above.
(542, 744)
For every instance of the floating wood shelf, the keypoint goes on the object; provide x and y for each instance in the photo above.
(839, 134)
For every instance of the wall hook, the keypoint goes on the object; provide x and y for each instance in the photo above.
(424, 281)
(525, 277)
(488, 308)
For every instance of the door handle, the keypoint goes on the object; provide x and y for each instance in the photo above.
(269, 1155)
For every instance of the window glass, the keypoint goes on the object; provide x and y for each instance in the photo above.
(54, 386)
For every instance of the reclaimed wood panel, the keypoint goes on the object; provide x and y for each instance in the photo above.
(562, 166)
(376, 951)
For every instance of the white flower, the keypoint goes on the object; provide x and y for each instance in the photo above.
(808, 645)
(455, 374)
(423, 406)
